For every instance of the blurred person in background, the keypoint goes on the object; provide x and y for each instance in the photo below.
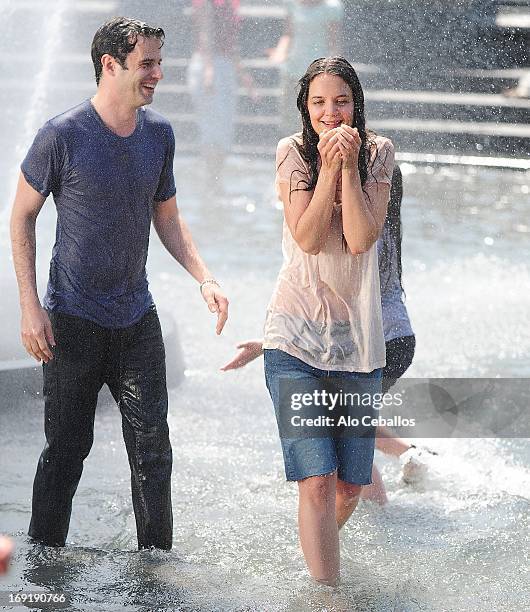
(313, 28)
(213, 75)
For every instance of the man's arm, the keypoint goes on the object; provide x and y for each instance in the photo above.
(176, 237)
(36, 329)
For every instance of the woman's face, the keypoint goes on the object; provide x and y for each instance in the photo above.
(330, 102)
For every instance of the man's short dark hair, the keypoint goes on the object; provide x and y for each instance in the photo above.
(118, 38)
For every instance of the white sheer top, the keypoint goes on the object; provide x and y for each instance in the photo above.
(326, 308)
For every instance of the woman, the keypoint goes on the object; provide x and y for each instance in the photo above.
(399, 344)
(324, 318)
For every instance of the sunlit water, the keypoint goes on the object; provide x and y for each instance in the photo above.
(460, 542)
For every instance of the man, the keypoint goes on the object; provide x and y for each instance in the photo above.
(109, 164)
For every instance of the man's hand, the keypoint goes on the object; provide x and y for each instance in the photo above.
(36, 332)
(217, 302)
(249, 351)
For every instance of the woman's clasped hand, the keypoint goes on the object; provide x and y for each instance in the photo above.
(339, 148)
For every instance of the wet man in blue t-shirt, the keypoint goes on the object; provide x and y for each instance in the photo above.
(109, 165)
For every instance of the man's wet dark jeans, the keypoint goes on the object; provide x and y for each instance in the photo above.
(132, 362)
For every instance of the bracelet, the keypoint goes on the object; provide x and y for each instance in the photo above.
(208, 281)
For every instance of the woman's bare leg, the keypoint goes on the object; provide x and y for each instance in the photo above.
(376, 491)
(388, 443)
(319, 535)
(347, 498)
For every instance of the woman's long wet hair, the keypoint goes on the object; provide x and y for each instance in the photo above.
(394, 228)
(308, 147)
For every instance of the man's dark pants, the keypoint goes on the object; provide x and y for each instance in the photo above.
(132, 363)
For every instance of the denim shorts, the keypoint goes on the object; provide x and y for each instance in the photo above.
(351, 457)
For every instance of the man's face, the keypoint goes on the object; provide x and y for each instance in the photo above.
(137, 83)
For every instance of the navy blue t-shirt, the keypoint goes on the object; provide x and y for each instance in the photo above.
(104, 187)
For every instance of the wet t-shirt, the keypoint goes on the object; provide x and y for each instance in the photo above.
(104, 187)
(326, 308)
